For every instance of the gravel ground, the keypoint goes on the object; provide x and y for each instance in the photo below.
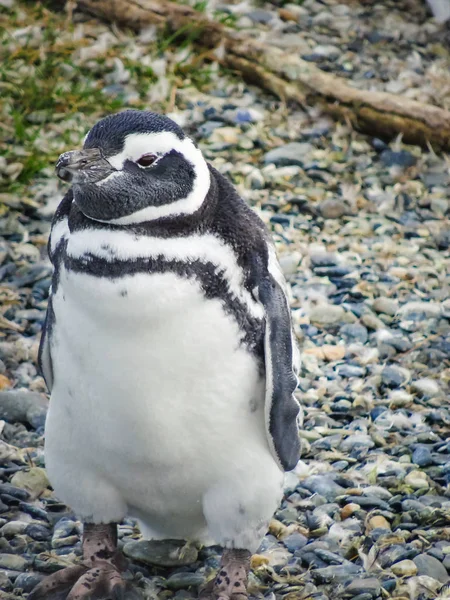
(362, 230)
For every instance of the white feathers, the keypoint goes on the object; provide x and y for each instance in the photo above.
(121, 245)
(59, 232)
(138, 144)
(153, 409)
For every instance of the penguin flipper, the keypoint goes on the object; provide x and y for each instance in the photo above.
(281, 356)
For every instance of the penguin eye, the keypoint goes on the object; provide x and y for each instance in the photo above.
(146, 160)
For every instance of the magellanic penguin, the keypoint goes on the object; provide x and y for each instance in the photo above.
(169, 353)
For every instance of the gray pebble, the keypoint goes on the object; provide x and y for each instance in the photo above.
(164, 553)
(179, 581)
(294, 153)
(428, 565)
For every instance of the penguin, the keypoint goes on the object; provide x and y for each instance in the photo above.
(169, 355)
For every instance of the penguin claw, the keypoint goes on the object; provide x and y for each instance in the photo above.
(100, 582)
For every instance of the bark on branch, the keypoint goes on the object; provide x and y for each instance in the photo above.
(286, 75)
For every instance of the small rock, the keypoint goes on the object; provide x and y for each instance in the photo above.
(428, 565)
(35, 481)
(426, 387)
(13, 528)
(422, 457)
(181, 581)
(362, 586)
(378, 521)
(418, 311)
(295, 541)
(28, 581)
(394, 377)
(404, 568)
(332, 209)
(354, 332)
(326, 314)
(23, 406)
(372, 322)
(13, 562)
(294, 153)
(386, 306)
(349, 509)
(164, 553)
(417, 480)
(323, 485)
(403, 158)
(327, 51)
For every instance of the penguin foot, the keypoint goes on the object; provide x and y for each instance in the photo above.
(231, 580)
(97, 577)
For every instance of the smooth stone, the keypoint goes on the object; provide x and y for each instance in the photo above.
(294, 153)
(38, 532)
(335, 573)
(418, 311)
(28, 581)
(332, 209)
(354, 440)
(327, 51)
(422, 457)
(378, 522)
(295, 541)
(179, 581)
(361, 586)
(404, 568)
(13, 528)
(349, 371)
(164, 553)
(428, 565)
(402, 158)
(394, 377)
(13, 562)
(386, 306)
(323, 485)
(426, 387)
(326, 314)
(260, 16)
(354, 332)
(417, 480)
(5, 582)
(23, 406)
(35, 481)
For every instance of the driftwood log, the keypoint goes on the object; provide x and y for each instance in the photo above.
(285, 74)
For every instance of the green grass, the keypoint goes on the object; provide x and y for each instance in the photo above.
(49, 97)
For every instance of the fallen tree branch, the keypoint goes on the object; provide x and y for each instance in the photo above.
(286, 75)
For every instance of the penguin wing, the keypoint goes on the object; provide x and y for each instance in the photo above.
(282, 411)
(56, 246)
(44, 356)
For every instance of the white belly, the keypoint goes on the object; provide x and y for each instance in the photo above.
(156, 407)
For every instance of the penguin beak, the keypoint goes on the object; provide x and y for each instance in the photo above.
(83, 166)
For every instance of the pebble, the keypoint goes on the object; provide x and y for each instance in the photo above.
(332, 209)
(34, 481)
(404, 568)
(13, 562)
(417, 480)
(163, 553)
(394, 377)
(294, 153)
(326, 314)
(181, 581)
(426, 387)
(430, 566)
(384, 305)
(370, 586)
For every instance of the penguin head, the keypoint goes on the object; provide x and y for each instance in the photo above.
(136, 166)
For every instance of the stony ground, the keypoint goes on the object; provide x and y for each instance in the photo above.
(362, 230)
